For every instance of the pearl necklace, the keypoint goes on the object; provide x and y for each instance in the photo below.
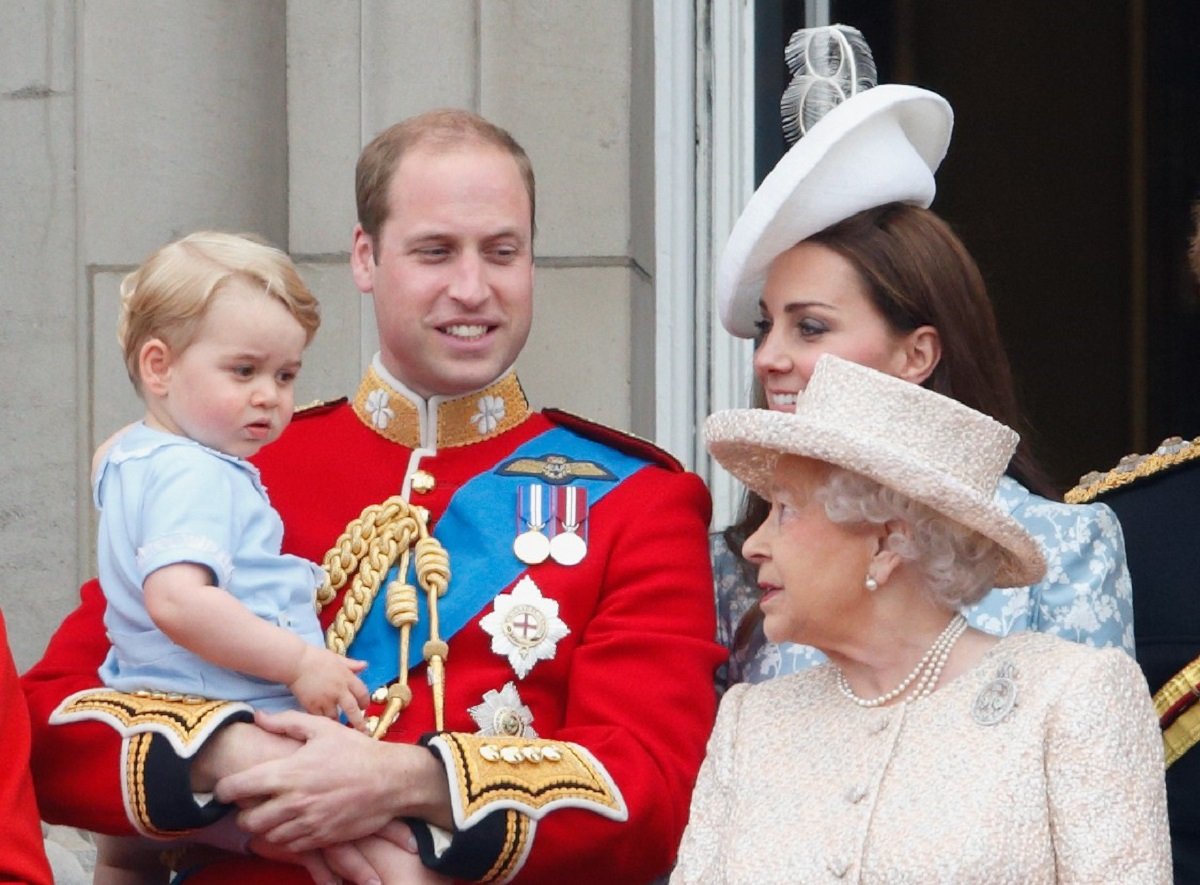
(926, 673)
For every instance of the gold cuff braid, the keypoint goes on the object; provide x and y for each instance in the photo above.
(518, 836)
(185, 720)
(490, 773)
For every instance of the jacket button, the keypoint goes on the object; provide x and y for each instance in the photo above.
(423, 482)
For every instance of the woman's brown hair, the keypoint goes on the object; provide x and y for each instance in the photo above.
(919, 273)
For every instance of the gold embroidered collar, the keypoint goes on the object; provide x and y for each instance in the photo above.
(396, 413)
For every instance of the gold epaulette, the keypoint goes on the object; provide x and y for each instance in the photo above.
(1173, 451)
(1179, 711)
(530, 776)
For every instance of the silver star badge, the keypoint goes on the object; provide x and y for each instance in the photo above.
(524, 626)
(503, 715)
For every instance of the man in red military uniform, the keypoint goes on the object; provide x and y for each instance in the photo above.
(545, 579)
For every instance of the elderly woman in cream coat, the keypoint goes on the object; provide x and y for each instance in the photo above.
(924, 750)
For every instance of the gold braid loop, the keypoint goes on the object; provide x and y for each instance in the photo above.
(367, 549)
(433, 564)
(402, 614)
(401, 604)
(342, 559)
(357, 600)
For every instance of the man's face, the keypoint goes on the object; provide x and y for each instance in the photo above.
(451, 270)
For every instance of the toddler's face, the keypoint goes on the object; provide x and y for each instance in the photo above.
(232, 388)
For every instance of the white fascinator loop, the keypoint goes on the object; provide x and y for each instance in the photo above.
(828, 65)
(863, 146)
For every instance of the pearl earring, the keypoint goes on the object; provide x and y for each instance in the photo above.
(871, 584)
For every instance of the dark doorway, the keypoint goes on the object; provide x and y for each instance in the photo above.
(1074, 163)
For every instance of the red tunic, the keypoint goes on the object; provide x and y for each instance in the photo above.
(22, 854)
(631, 682)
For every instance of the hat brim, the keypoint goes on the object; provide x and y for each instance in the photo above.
(749, 442)
(881, 146)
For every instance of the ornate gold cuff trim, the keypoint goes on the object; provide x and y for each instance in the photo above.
(186, 721)
(518, 839)
(489, 773)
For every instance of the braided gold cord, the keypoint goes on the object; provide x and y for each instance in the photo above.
(401, 604)
(342, 559)
(433, 567)
(357, 600)
(1171, 452)
(433, 564)
(367, 549)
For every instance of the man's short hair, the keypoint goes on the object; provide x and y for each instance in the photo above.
(168, 296)
(447, 128)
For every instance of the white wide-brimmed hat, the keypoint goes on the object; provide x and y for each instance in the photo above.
(880, 146)
(926, 446)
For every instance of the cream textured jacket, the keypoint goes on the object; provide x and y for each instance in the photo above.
(1041, 764)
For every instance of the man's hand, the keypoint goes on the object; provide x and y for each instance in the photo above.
(390, 853)
(326, 683)
(340, 786)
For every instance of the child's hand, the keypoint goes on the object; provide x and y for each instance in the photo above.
(327, 683)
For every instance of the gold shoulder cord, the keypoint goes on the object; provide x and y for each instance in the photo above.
(1170, 453)
(371, 544)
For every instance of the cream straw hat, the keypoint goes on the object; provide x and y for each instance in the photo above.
(880, 146)
(926, 446)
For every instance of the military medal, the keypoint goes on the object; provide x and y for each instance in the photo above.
(568, 546)
(531, 545)
(524, 626)
(503, 713)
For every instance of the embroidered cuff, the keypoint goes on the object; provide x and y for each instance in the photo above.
(489, 773)
(161, 733)
(493, 850)
(499, 788)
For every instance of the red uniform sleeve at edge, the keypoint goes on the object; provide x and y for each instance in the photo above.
(22, 855)
(641, 695)
(86, 790)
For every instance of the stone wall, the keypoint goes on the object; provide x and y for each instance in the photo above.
(126, 123)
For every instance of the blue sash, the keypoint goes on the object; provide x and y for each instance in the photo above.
(477, 529)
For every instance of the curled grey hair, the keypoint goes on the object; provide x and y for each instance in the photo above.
(959, 565)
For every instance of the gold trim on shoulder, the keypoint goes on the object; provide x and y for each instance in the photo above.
(1172, 452)
(459, 421)
(490, 773)
(185, 720)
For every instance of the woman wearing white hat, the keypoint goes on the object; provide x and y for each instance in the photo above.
(924, 750)
(836, 253)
